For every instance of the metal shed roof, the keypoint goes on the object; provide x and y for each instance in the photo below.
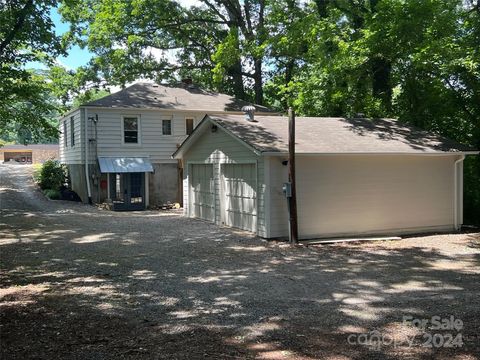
(124, 164)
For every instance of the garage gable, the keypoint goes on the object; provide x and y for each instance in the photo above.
(237, 178)
(207, 129)
(213, 143)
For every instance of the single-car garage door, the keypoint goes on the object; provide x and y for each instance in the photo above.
(239, 196)
(202, 197)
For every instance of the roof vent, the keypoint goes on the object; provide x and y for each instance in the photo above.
(249, 111)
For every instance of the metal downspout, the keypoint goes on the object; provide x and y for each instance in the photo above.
(87, 176)
(455, 194)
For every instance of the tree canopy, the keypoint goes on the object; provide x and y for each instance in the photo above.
(27, 35)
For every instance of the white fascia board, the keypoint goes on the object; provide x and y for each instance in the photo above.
(284, 153)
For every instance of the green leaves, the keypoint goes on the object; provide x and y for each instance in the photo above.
(26, 34)
(225, 56)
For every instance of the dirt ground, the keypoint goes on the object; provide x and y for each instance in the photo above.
(82, 283)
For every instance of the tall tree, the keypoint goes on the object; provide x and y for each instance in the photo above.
(26, 34)
(418, 61)
(220, 43)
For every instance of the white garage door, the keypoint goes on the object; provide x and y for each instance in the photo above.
(239, 196)
(202, 196)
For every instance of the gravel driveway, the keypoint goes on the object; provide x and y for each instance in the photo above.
(82, 283)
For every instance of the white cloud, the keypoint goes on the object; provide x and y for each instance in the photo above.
(189, 3)
(159, 54)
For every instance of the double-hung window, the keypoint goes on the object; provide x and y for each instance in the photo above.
(131, 130)
(166, 127)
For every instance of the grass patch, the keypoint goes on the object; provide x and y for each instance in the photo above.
(52, 194)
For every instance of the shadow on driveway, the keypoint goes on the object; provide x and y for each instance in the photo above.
(81, 283)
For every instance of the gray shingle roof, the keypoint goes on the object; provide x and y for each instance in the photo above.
(182, 97)
(336, 135)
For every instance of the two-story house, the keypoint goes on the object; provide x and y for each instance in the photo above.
(119, 148)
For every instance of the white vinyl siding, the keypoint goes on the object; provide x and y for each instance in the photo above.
(71, 154)
(348, 195)
(220, 148)
(154, 144)
(278, 212)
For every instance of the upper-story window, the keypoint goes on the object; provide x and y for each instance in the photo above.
(65, 139)
(188, 126)
(72, 131)
(131, 130)
(167, 127)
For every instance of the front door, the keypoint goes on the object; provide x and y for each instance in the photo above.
(127, 191)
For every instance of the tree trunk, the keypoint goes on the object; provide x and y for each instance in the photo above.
(235, 72)
(381, 86)
(258, 81)
(10, 36)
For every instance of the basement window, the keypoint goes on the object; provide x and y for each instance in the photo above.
(130, 130)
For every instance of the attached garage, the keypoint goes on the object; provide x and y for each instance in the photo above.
(354, 176)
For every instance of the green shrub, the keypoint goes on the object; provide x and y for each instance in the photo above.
(37, 169)
(52, 194)
(52, 175)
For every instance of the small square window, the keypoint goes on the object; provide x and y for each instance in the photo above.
(130, 130)
(188, 126)
(167, 127)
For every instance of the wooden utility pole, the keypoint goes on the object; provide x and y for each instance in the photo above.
(292, 204)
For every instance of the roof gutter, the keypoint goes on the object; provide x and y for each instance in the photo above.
(285, 153)
(205, 111)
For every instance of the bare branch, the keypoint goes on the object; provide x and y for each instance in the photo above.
(214, 8)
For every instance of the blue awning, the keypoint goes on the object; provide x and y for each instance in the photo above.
(124, 164)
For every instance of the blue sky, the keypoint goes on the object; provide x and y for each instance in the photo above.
(76, 56)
